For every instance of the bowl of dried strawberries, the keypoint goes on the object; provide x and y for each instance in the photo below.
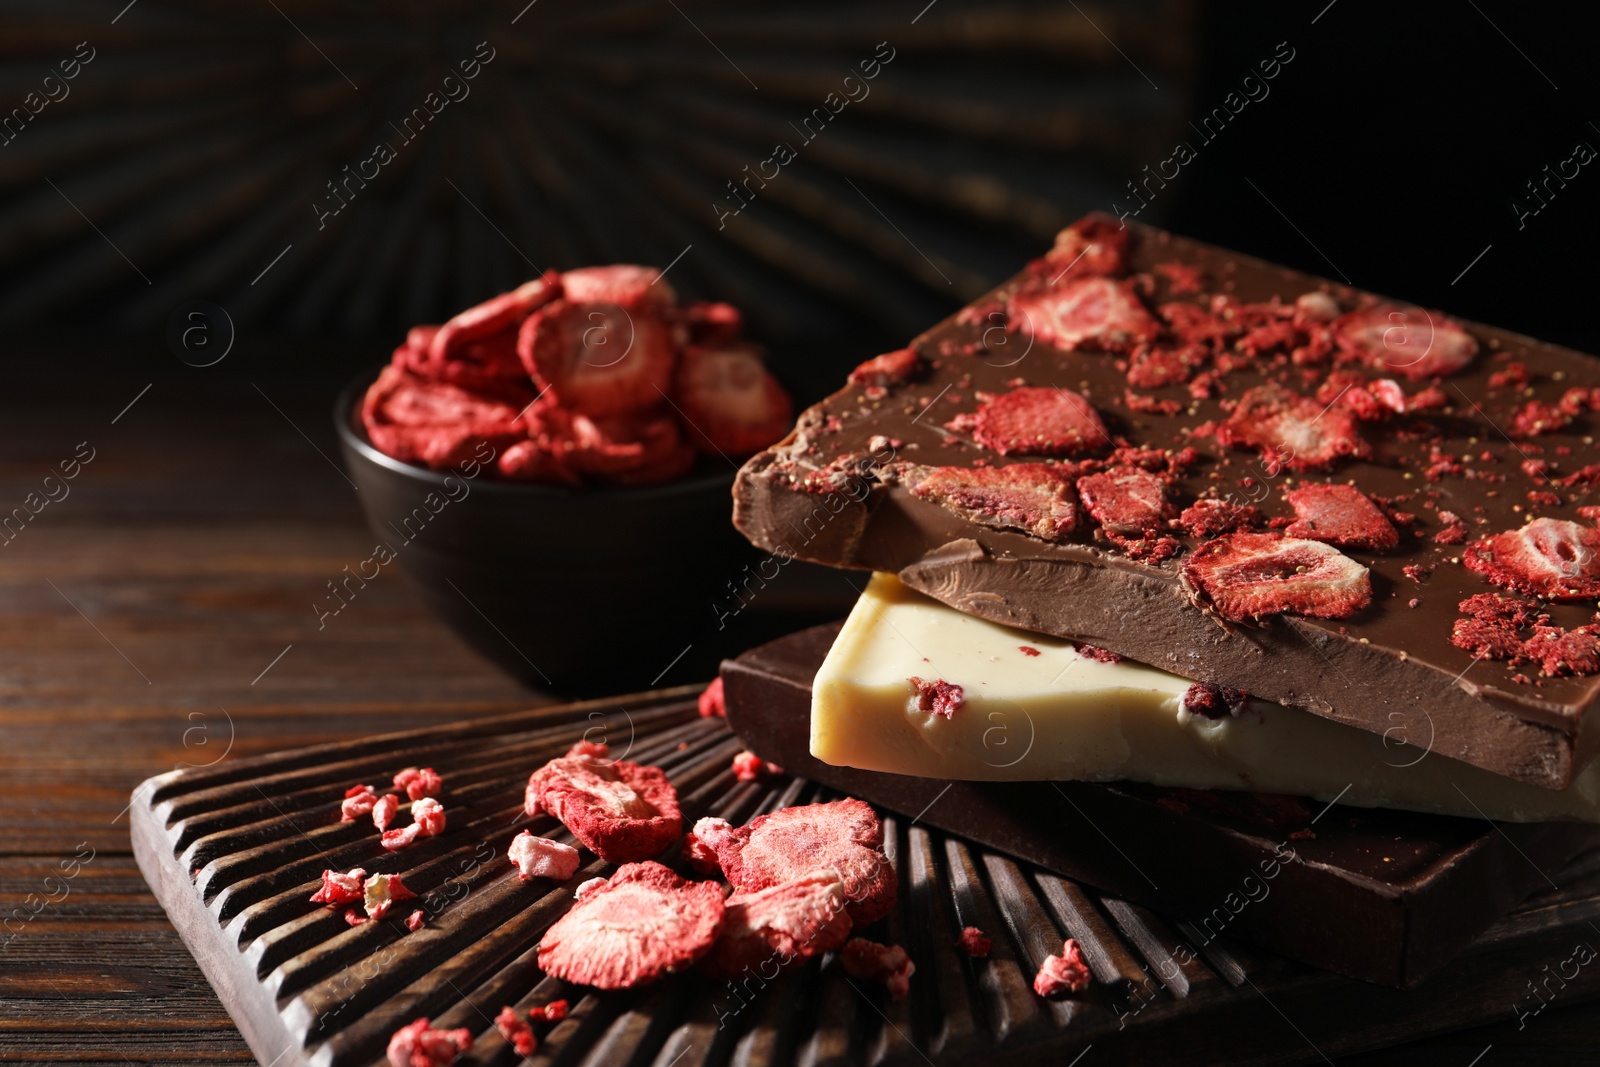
(552, 469)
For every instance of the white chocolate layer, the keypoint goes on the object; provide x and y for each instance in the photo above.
(1061, 715)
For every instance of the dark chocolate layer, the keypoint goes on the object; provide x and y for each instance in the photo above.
(1391, 668)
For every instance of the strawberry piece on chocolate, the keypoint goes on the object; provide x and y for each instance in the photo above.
(1063, 974)
(937, 697)
(1290, 430)
(1031, 497)
(1208, 518)
(1411, 342)
(1082, 312)
(1535, 418)
(540, 857)
(1153, 366)
(844, 837)
(599, 358)
(340, 888)
(1033, 421)
(1340, 515)
(730, 402)
(776, 928)
(1251, 575)
(1563, 652)
(974, 942)
(1095, 244)
(643, 923)
(1127, 501)
(891, 368)
(419, 1045)
(872, 962)
(621, 811)
(1556, 559)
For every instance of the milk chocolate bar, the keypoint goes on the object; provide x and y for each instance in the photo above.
(1240, 474)
(1384, 896)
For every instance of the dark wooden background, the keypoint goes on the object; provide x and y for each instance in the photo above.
(193, 545)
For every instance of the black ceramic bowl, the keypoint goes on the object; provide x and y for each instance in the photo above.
(575, 590)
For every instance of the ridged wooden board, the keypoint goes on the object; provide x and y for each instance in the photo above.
(234, 851)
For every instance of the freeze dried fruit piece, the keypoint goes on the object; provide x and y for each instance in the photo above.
(1036, 421)
(772, 929)
(974, 942)
(599, 359)
(1126, 500)
(1250, 575)
(1563, 652)
(1535, 418)
(586, 747)
(540, 857)
(843, 836)
(1208, 518)
(1211, 701)
(353, 917)
(419, 1045)
(1153, 366)
(1066, 973)
(1095, 244)
(552, 1012)
(747, 766)
(382, 892)
(873, 962)
(515, 1029)
(359, 800)
(645, 922)
(712, 703)
(383, 812)
(730, 402)
(1292, 430)
(1031, 497)
(1551, 558)
(621, 811)
(1415, 343)
(1081, 312)
(340, 888)
(497, 316)
(707, 322)
(419, 782)
(622, 284)
(439, 425)
(427, 820)
(416, 920)
(938, 697)
(642, 449)
(1340, 515)
(891, 368)
(541, 460)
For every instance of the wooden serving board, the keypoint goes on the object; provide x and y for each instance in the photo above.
(234, 851)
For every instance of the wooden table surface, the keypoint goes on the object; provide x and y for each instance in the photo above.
(144, 619)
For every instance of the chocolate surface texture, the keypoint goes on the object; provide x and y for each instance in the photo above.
(1463, 466)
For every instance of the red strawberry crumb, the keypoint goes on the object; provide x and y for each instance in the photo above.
(428, 820)
(1038, 421)
(1153, 366)
(1292, 430)
(872, 962)
(1066, 973)
(1212, 701)
(540, 857)
(1498, 627)
(1208, 518)
(939, 697)
(1513, 374)
(1182, 277)
(1149, 405)
(1095, 244)
(748, 767)
(1590, 512)
(1126, 500)
(352, 917)
(1151, 550)
(419, 1045)
(1544, 498)
(1098, 654)
(712, 705)
(1454, 534)
(552, 1012)
(891, 368)
(974, 942)
(1583, 477)
(1577, 400)
(1081, 313)
(1552, 558)
(1340, 515)
(1563, 652)
(1031, 497)
(359, 800)
(418, 783)
(1250, 575)
(1028, 650)
(340, 888)
(1535, 418)
(1417, 572)
(416, 920)
(383, 812)
(516, 1030)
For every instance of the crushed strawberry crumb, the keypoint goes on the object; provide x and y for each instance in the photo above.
(712, 702)
(416, 920)
(938, 696)
(974, 942)
(419, 1045)
(1028, 650)
(872, 962)
(552, 1012)
(417, 783)
(540, 857)
(1066, 973)
(359, 800)
(337, 888)
(516, 1030)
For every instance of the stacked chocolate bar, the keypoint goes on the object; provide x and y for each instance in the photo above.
(1237, 563)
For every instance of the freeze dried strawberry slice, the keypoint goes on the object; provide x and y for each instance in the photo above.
(340, 888)
(1030, 497)
(1249, 575)
(937, 697)
(1415, 343)
(1095, 244)
(640, 450)
(730, 401)
(1082, 312)
(440, 425)
(1066, 973)
(974, 942)
(1340, 515)
(707, 323)
(1552, 558)
(497, 316)
(419, 782)
(844, 837)
(419, 1045)
(600, 358)
(872, 962)
(540, 857)
(775, 928)
(1127, 501)
(1034, 421)
(891, 368)
(382, 892)
(645, 922)
(713, 705)
(1290, 430)
(622, 284)
(621, 811)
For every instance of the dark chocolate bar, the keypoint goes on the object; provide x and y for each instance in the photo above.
(1452, 446)
(1384, 896)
